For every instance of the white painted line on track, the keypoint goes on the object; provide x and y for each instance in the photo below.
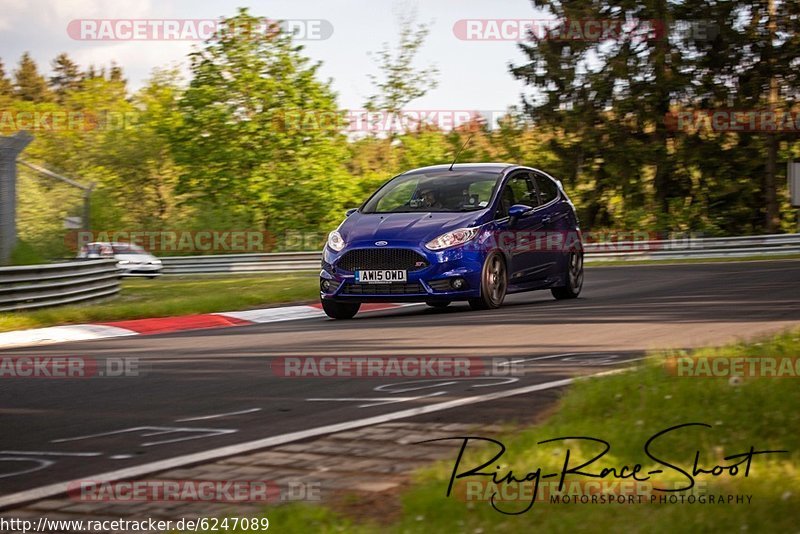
(199, 433)
(217, 416)
(138, 471)
(378, 401)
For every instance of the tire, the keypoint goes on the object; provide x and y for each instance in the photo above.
(494, 283)
(340, 310)
(438, 303)
(573, 277)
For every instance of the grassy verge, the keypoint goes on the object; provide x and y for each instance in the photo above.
(175, 295)
(626, 409)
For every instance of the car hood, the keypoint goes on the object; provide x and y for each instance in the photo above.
(404, 227)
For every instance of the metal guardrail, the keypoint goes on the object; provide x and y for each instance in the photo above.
(699, 248)
(242, 263)
(696, 248)
(37, 286)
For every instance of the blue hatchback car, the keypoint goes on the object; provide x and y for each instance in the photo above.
(465, 232)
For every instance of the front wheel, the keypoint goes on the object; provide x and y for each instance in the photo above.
(494, 282)
(573, 278)
(340, 310)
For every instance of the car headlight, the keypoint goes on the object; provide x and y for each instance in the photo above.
(335, 241)
(451, 239)
(123, 262)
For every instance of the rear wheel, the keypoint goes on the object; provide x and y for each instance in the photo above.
(438, 303)
(494, 283)
(340, 310)
(573, 278)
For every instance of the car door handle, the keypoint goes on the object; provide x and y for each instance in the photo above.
(546, 219)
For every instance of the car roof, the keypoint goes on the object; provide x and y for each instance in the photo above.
(485, 167)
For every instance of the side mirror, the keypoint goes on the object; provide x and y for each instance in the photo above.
(349, 212)
(518, 210)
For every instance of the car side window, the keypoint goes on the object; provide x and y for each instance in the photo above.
(548, 190)
(518, 190)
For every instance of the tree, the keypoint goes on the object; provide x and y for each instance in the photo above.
(253, 142)
(29, 85)
(5, 84)
(610, 99)
(115, 74)
(611, 96)
(400, 82)
(768, 80)
(66, 76)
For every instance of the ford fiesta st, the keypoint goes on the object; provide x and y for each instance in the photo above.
(466, 232)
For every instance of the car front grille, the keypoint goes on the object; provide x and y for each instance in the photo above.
(382, 258)
(382, 289)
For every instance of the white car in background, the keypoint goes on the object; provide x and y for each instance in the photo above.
(132, 260)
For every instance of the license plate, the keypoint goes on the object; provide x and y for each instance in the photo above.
(383, 276)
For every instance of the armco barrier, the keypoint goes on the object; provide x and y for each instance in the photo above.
(242, 263)
(37, 286)
(766, 245)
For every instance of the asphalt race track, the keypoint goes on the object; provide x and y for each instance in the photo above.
(200, 391)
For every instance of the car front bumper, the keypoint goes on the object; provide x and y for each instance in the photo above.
(139, 269)
(435, 282)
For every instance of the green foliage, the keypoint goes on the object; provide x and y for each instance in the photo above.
(609, 100)
(25, 254)
(6, 88)
(66, 76)
(29, 85)
(400, 82)
(239, 148)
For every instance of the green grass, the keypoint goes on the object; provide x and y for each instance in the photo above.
(626, 409)
(25, 254)
(175, 295)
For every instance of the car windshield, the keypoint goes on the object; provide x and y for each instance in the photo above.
(126, 248)
(443, 191)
